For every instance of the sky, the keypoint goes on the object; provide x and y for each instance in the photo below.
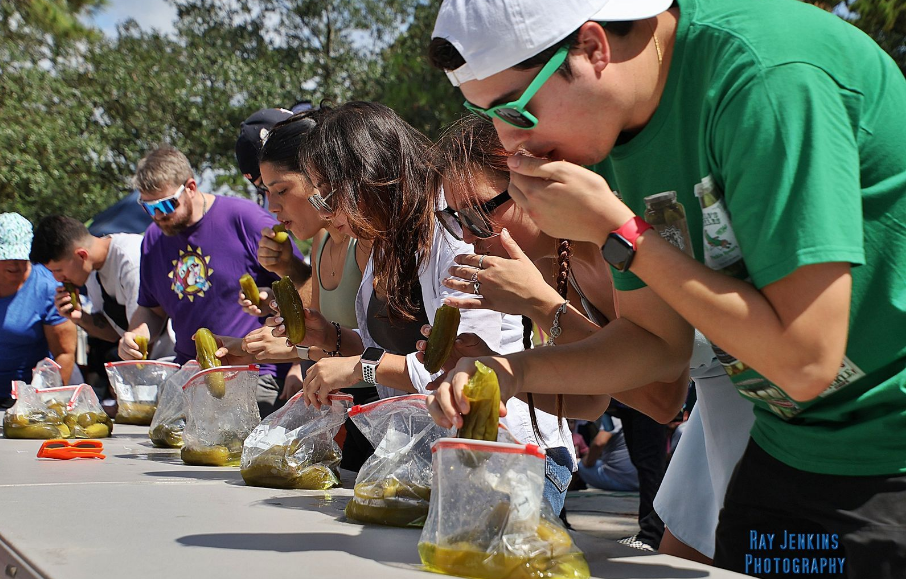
(149, 14)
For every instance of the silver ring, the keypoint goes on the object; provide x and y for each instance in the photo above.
(475, 276)
(477, 287)
(481, 260)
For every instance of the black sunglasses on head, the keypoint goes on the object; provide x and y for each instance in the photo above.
(474, 218)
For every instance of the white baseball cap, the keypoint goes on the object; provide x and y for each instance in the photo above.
(493, 35)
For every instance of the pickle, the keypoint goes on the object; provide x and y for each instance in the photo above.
(138, 413)
(29, 426)
(86, 419)
(390, 502)
(280, 234)
(168, 435)
(73, 295)
(205, 346)
(483, 393)
(291, 309)
(38, 431)
(215, 455)
(272, 468)
(16, 419)
(443, 334)
(250, 289)
(142, 343)
(95, 431)
(65, 431)
(56, 411)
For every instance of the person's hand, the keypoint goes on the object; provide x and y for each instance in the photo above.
(63, 302)
(127, 349)
(510, 285)
(265, 295)
(229, 351)
(466, 345)
(448, 404)
(319, 332)
(566, 200)
(274, 256)
(262, 345)
(329, 375)
(292, 383)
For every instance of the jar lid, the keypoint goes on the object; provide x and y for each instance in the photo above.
(659, 199)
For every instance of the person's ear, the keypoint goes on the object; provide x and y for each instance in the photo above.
(82, 254)
(593, 44)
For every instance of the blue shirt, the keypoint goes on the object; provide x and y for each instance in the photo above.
(23, 316)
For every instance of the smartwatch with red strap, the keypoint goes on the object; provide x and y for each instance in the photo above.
(619, 249)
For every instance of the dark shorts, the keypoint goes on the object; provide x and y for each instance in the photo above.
(356, 448)
(779, 521)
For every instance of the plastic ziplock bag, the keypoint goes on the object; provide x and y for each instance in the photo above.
(488, 518)
(29, 417)
(170, 417)
(394, 485)
(221, 411)
(81, 411)
(46, 374)
(294, 447)
(137, 383)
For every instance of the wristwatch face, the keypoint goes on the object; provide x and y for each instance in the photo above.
(302, 351)
(618, 252)
(372, 355)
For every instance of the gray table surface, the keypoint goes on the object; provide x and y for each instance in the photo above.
(142, 513)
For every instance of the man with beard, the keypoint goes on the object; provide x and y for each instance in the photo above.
(193, 255)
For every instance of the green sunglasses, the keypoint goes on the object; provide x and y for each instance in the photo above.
(514, 113)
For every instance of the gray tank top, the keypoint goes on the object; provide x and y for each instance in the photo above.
(338, 304)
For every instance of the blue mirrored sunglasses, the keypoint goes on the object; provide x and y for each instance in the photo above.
(165, 206)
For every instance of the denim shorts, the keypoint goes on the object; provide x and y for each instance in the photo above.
(558, 472)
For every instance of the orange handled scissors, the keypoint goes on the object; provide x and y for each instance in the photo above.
(64, 450)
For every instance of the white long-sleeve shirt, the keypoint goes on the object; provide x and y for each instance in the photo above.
(501, 332)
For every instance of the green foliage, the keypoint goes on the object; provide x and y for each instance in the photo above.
(78, 110)
(420, 93)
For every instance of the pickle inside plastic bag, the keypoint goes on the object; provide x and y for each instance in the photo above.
(483, 393)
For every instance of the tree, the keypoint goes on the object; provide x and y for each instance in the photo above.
(420, 93)
(44, 148)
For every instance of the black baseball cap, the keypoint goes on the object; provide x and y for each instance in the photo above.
(252, 133)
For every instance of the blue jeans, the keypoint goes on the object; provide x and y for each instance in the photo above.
(597, 477)
(558, 472)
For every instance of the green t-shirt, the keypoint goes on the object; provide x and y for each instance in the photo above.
(794, 123)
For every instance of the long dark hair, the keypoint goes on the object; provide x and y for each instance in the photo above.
(378, 169)
(468, 153)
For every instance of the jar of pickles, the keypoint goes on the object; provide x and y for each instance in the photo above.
(668, 217)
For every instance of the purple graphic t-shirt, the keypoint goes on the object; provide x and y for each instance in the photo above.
(194, 275)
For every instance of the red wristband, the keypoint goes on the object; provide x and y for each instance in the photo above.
(632, 229)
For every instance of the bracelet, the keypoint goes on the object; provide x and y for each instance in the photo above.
(555, 330)
(336, 351)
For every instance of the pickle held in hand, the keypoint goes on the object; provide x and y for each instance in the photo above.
(291, 309)
(205, 346)
(443, 334)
